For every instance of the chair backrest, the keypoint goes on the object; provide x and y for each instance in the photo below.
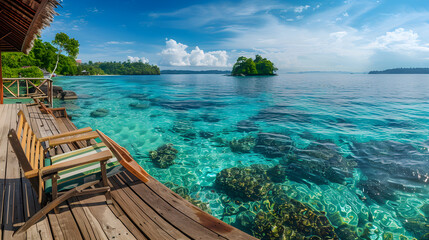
(124, 158)
(27, 147)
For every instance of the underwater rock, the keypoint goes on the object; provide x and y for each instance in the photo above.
(67, 95)
(139, 96)
(347, 232)
(85, 96)
(101, 112)
(387, 161)
(277, 173)
(220, 142)
(418, 226)
(185, 129)
(139, 105)
(206, 135)
(273, 145)
(244, 145)
(187, 104)
(184, 193)
(182, 126)
(318, 163)
(248, 183)
(164, 155)
(281, 114)
(74, 116)
(247, 126)
(289, 220)
(88, 103)
(377, 191)
(211, 118)
(425, 209)
(189, 135)
(70, 106)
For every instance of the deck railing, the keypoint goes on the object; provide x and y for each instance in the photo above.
(15, 89)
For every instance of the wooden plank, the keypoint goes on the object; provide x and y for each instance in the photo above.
(185, 207)
(85, 225)
(13, 199)
(176, 218)
(29, 208)
(110, 224)
(120, 214)
(4, 128)
(147, 220)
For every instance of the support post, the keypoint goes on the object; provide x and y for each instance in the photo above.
(51, 92)
(1, 82)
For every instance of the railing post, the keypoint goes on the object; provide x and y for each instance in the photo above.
(51, 93)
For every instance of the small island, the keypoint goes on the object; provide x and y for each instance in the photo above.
(402, 71)
(249, 67)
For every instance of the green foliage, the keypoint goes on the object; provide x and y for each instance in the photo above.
(45, 55)
(30, 72)
(248, 66)
(125, 68)
(67, 44)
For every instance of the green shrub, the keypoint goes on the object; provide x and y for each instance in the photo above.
(30, 72)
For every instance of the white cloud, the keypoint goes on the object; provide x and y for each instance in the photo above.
(175, 54)
(338, 35)
(399, 40)
(300, 9)
(137, 59)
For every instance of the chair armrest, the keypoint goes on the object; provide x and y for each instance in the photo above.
(67, 134)
(96, 157)
(80, 137)
(58, 109)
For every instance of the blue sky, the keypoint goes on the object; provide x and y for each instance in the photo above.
(296, 35)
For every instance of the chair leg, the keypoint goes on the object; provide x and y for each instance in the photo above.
(35, 218)
(55, 190)
(104, 181)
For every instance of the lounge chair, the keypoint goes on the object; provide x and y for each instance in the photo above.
(55, 112)
(65, 175)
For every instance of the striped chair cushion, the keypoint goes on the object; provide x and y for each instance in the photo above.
(76, 176)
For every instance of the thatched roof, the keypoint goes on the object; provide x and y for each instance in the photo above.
(21, 21)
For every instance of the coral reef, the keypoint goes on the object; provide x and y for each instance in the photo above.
(184, 193)
(164, 155)
(244, 145)
(282, 217)
(277, 173)
(273, 145)
(248, 183)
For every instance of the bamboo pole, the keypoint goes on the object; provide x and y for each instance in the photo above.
(1, 82)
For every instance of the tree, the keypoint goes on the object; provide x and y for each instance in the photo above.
(67, 44)
(248, 66)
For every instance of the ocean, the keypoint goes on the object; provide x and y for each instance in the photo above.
(275, 156)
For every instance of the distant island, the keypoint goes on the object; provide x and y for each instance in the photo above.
(194, 72)
(249, 67)
(402, 71)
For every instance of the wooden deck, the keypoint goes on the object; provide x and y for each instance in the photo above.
(139, 210)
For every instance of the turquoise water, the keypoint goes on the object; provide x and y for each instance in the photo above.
(352, 146)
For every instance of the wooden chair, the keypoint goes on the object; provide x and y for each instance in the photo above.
(31, 155)
(55, 112)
